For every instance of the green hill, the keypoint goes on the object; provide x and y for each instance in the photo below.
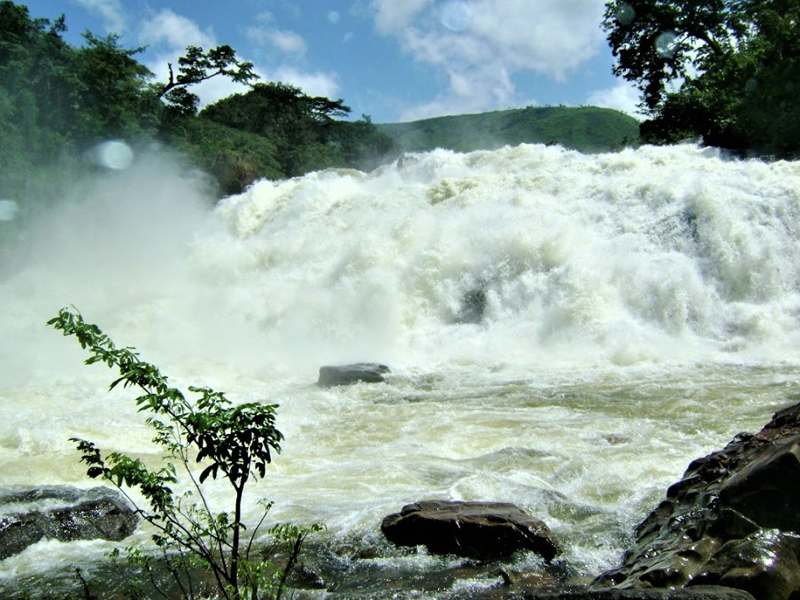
(588, 129)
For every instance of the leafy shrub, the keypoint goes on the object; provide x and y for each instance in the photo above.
(234, 442)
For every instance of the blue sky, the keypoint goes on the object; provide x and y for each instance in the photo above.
(395, 60)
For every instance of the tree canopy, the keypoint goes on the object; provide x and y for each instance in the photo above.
(302, 127)
(57, 101)
(726, 70)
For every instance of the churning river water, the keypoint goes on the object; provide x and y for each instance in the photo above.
(565, 331)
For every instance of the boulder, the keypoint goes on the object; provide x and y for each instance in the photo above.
(348, 374)
(767, 491)
(480, 530)
(732, 520)
(63, 513)
(764, 564)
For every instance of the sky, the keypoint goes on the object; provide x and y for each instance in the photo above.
(393, 60)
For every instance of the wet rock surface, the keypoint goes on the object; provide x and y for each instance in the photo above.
(732, 520)
(693, 593)
(330, 376)
(63, 513)
(479, 530)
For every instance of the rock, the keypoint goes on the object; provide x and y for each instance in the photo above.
(480, 530)
(732, 520)
(693, 593)
(63, 513)
(348, 374)
(473, 306)
(763, 563)
(767, 491)
(304, 578)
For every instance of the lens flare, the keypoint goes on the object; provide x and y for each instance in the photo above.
(456, 16)
(113, 154)
(8, 210)
(625, 14)
(667, 44)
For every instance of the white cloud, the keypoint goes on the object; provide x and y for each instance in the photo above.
(175, 32)
(623, 96)
(313, 84)
(110, 11)
(392, 16)
(286, 41)
(170, 33)
(468, 92)
(481, 44)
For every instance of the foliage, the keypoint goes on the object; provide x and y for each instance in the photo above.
(197, 66)
(234, 158)
(588, 129)
(302, 127)
(726, 70)
(233, 442)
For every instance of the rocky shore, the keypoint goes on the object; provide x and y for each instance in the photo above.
(729, 529)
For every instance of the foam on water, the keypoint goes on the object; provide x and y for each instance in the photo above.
(565, 331)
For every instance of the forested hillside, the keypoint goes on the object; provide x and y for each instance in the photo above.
(588, 129)
(58, 101)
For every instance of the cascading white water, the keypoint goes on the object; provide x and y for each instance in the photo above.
(565, 331)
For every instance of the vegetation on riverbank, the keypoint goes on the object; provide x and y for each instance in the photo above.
(232, 442)
(58, 101)
(727, 71)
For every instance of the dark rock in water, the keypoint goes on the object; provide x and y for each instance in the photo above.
(349, 374)
(473, 306)
(480, 530)
(733, 520)
(64, 513)
(693, 593)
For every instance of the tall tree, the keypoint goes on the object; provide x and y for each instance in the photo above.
(297, 124)
(197, 66)
(715, 68)
(113, 89)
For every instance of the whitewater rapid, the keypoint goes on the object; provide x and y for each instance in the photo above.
(565, 331)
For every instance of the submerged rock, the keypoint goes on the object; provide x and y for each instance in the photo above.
(348, 374)
(63, 513)
(473, 306)
(480, 530)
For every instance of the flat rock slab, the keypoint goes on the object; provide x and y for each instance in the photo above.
(349, 374)
(480, 530)
(63, 513)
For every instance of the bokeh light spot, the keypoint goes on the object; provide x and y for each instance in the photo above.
(667, 44)
(456, 16)
(113, 154)
(8, 210)
(625, 14)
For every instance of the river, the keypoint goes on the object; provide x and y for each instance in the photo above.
(564, 331)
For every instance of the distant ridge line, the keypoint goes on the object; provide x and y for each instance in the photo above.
(589, 129)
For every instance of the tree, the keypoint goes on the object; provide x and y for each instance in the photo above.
(113, 90)
(197, 66)
(715, 68)
(660, 41)
(297, 124)
(235, 442)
